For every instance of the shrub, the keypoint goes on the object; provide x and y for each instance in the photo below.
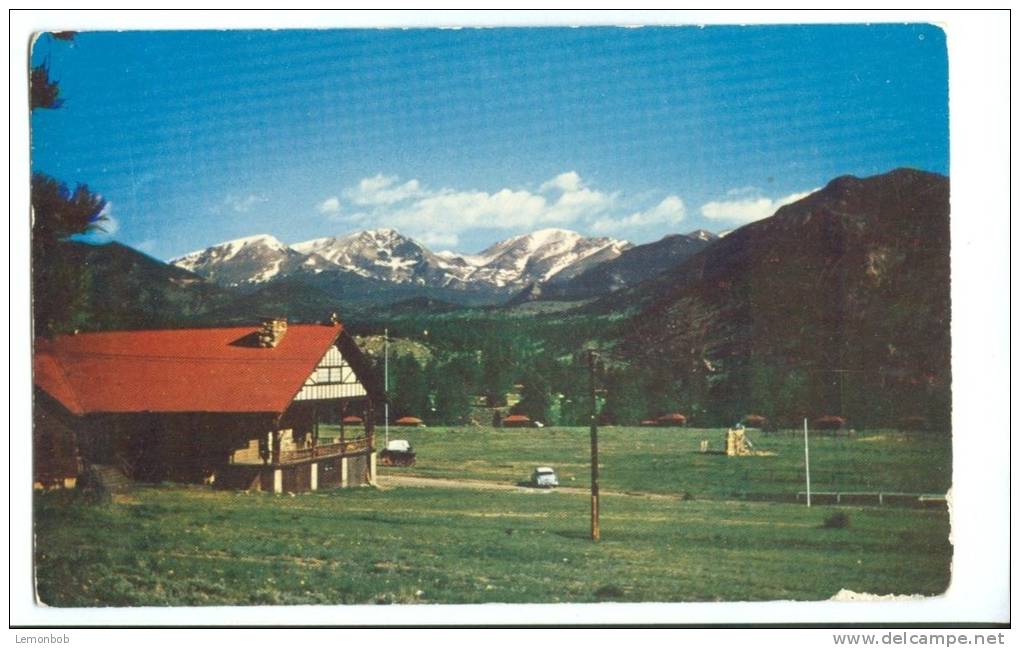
(608, 593)
(91, 488)
(839, 520)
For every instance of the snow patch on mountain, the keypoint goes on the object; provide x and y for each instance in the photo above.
(703, 235)
(268, 273)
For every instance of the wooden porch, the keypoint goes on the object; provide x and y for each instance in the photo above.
(303, 455)
(319, 474)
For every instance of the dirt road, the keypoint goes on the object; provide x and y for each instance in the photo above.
(391, 481)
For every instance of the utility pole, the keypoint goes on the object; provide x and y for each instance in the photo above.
(594, 449)
(807, 465)
(386, 384)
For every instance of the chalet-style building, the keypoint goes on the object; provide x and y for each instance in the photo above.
(239, 407)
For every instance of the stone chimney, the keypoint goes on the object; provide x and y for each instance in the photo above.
(272, 331)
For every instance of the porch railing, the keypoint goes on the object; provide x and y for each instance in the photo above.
(347, 447)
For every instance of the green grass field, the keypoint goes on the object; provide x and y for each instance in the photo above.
(668, 460)
(176, 545)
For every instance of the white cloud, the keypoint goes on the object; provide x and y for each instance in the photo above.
(239, 204)
(671, 211)
(454, 211)
(740, 211)
(569, 181)
(747, 210)
(109, 225)
(435, 239)
(383, 190)
(148, 246)
(330, 205)
(579, 203)
(439, 217)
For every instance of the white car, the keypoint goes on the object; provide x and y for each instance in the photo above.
(544, 477)
(398, 445)
(398, 452)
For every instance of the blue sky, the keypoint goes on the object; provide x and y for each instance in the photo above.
(463, 137)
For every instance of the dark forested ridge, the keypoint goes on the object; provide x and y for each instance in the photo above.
(838, 304)
(113, 286)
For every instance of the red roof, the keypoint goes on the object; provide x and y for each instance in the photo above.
(353, 419)
(516, 418)
(672, 417)
(183, 370)
(409, 420)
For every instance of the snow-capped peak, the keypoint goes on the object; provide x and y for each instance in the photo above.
(382, 253)
(702, 235)
(252, 259)
(527, 243)
(229, 249)
(550, 234)
(540, 255)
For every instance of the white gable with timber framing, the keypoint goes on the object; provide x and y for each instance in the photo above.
(333, 378)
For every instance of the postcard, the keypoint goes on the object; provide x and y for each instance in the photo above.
(543, 316)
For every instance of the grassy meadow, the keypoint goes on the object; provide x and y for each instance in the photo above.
(669, 461)
(180, 545)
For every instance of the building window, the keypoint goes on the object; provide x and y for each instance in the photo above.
(332, 375)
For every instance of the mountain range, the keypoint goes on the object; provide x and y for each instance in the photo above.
(385, 255)
(838, 303)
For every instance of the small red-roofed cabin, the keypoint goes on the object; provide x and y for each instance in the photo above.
(353, 420)
(672, 420)
(409, 421)
(238, 407)
(754, 421)
(912, 423)
(517, 421)
(829, 423)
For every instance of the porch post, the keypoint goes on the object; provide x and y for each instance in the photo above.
(370, 440)
(277, 472)
(343, 414)
(315, 424)
(369, 421)
(276, 446)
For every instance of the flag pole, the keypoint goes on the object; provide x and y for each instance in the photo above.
(386, 383)
(807, 464)
(595, 531)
